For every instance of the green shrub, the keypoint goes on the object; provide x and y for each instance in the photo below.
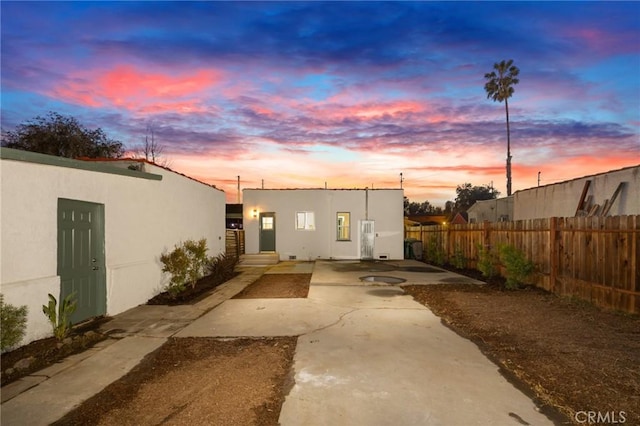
(459, 261)
(434, 253)
(517, 266)
(487, 261)
(187, 263)
(60, 316)
(13, 324)
(197, 253)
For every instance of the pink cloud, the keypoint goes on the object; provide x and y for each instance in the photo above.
(137, 90)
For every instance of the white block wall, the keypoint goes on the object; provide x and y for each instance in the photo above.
(561, 199)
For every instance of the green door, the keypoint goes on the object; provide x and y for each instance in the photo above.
(81, 263)
(267, 231)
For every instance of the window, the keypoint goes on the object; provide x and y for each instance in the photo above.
(344, 230)
(267, 223)
(305, 221)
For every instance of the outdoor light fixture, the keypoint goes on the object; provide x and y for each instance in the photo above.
(254, 213)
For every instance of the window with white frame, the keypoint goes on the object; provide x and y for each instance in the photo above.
(343, 226)
(305, 221)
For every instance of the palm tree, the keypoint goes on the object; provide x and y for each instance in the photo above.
(499, 87)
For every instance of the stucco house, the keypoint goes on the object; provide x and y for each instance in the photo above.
(309, 224)
(96, 228)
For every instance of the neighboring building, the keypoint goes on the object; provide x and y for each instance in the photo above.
(309, 224)
(460, 218)
(496, 210)
(428, 219)
(611, 193)
(96, 228)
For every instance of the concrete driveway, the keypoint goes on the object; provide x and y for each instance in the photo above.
(368, 354)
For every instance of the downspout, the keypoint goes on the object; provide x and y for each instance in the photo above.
(366, 204)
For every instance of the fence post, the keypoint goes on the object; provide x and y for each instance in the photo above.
(448, 243)
(487, 235)
(553, 253)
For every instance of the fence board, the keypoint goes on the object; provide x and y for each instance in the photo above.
(593, 258)
(234, 242)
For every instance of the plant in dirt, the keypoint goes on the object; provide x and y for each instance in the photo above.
(222, 266)
(487, 261)
(517, 266)
(60, 316)
(197, 254)
(459, 261)
(434, 252)
(186, 264)
(13, 323)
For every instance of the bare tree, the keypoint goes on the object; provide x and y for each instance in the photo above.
(152, 150)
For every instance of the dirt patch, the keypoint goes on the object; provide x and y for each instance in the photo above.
(42, 353)
(197, 381)
(203, 288)
(288, 286)
(570, 355)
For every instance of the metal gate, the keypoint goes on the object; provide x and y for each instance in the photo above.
(367, 238)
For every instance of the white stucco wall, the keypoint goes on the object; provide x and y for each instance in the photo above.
(384, 206)
(561, 199)
(143, 218)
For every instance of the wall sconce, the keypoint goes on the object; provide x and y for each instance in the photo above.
(254, 213)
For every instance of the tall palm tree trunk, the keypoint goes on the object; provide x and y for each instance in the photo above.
(506, 107)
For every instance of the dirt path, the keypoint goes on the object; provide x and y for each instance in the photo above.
(197, 381)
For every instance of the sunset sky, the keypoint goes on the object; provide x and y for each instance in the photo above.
(342, 94)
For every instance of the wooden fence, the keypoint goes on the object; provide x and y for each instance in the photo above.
(234, 242)
(591, 258)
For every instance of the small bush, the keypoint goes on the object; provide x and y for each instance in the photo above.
(487, 262)
(14, 323)
(197, 253)
(434, 253)
(186, 264)
(517, 266)
(459, 261)
(60, 316)
(222, 266)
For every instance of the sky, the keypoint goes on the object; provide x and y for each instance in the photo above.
(337, 94)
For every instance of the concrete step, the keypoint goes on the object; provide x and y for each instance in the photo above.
(259, 259)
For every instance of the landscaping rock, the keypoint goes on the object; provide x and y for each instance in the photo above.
(24, 363)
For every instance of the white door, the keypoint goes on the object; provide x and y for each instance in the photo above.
(367, 238)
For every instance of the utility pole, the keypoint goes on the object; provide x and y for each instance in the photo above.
(538, 178)
(401, 180)
(238, 189)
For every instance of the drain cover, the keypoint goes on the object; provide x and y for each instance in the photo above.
(382, 279)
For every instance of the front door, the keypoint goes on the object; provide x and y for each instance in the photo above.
(81, 261)
(267, 231)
